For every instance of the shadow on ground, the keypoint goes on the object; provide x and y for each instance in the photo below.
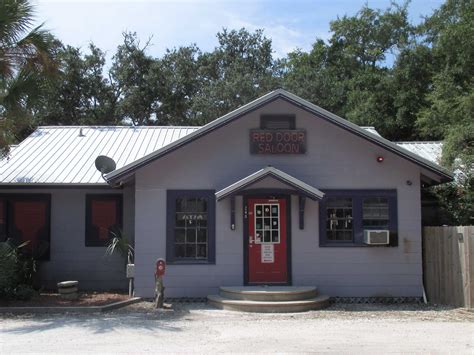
(143, 316)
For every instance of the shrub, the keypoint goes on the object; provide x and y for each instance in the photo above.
(24, 292)
(16, 271)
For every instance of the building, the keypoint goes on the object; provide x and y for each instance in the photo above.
(278, 191)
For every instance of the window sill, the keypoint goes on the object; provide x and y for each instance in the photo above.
(353, 245)
(342, 245)
(191, 262)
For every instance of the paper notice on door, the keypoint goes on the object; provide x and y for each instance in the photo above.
(268, 253)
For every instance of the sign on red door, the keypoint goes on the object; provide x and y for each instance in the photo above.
(267, 241)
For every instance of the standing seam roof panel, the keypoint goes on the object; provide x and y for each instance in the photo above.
(39, 157)
(62, 161)
(88, 155)
(91, 174)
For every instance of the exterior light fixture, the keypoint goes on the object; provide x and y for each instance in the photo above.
(380, 159)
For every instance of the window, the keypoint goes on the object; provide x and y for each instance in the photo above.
(345, 214)
(339, 219)
(26, 218)
(103, 218)
(281, 122)
(375, 213)
(191, 226)
(267, 229)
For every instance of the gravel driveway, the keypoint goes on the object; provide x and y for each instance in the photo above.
(199, 328)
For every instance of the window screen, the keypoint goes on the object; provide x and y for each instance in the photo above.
(375, 212)
(190, 226)
(191, 237)
(27, 219)
(277, 122)
(103, 218)
(339, 219)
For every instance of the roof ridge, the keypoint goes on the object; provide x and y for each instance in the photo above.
(119, 126)
(419, 142)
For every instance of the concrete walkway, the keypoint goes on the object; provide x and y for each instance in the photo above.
(199, 328)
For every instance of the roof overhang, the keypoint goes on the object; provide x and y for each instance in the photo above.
(40, 185)
(269, 171)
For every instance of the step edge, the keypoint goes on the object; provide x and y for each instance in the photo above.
(268, 292)
(220, 299)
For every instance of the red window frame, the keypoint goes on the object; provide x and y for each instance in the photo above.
(101, 224)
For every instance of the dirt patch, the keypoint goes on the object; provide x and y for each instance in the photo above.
(54, 300)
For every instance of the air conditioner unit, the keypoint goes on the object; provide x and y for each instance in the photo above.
(376, 237)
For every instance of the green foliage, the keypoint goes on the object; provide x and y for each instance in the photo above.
(26, 56)
(179, 82)
(16, 271)
(120, 244)
(132, 73)
(457, 200)
(79, 94)
(238, 71)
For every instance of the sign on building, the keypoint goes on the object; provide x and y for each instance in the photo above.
(277, 141)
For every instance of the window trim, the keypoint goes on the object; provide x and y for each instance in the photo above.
(358, 197)
(171, 196)
(8, 215)
(88, 241)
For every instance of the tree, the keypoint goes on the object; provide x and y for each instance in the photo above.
(349, 74)
(177, 74)
(449, 113)
(25, 57)
(450, 109)
(132, 73)
(239, 70)
(316, 76)
(79, 94)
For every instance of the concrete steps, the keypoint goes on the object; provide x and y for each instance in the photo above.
(269, 299)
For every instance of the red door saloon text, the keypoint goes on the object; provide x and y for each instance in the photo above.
(277, 141)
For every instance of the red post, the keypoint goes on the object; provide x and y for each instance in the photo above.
(159, 287)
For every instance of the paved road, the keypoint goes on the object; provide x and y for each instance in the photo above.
(204, 330)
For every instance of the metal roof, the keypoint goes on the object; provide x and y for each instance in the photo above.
(128, 170)
(66, 154)
(285, 178)
(429, 150)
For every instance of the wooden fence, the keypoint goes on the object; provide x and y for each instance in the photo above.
(448, 264)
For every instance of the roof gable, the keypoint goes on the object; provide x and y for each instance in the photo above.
(277, 174)
(366, 134)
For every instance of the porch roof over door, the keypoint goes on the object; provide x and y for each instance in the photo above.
(269, 171)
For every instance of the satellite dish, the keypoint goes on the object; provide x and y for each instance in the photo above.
(104, 164)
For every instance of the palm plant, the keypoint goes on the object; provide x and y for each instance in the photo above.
(120, 244)
(20, 47)
(26, 55)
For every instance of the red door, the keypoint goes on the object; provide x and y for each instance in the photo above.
(267, 241)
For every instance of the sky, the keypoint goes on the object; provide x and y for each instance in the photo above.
(291, 24)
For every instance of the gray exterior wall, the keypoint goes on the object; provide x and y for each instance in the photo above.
(70, 259)
(335, 159)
